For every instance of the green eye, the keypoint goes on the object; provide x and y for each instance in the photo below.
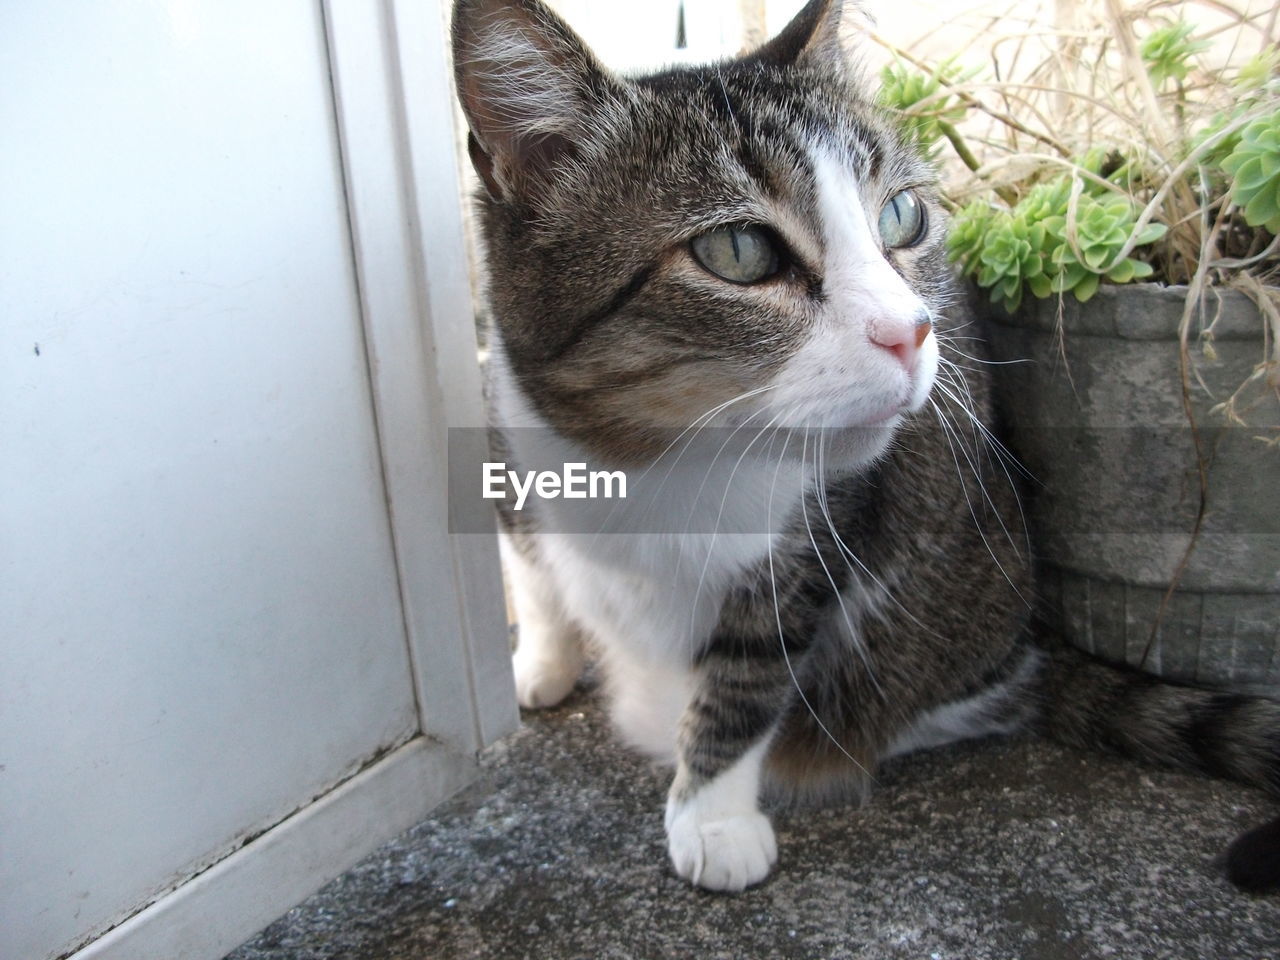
(737, 254)
(902, 221)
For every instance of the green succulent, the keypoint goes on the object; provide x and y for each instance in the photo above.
(1029, 247)
(903, 88)
(968, 233)
(1256, 81)
(1045, 200)
(1167, 51)
(1102, 228)
(1254, 168)
(1259, 70)
(1013, 255)
(1030, 232)
(1127, 170)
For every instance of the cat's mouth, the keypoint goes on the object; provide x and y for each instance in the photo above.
(883, 417)
(876, 411)
(842, 414)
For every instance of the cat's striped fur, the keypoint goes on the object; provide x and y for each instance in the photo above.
(850, 581)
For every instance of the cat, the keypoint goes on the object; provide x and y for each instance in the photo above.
(730, 281)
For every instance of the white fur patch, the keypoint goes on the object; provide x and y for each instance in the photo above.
(717, 837)
(978, 716)
(549, 656)
(840, 378)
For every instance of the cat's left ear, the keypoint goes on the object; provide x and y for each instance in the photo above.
(526, 83)
(819, 36)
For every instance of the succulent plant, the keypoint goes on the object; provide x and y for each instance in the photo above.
(1069, 223)
(1254, 166)
(926, 109)
(1167, 51)
(1012, 256)
(968, 233)
(1088, 248)
(1081, 132)
(1043, 246)
(1260, 69)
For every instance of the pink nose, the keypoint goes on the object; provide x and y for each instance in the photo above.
(902, 338)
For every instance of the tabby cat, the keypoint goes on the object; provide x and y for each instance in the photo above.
(729, 282)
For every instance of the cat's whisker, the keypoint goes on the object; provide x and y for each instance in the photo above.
(959, 394)
(847, 552)
(972, 456)
(692, 431)
(715, 530)
(711, 467)
(777, 614)
(698, 424)
(955, 378)
(985, 443)
(820, 481)
(1002, 451)
(950, 340)
(948, 433)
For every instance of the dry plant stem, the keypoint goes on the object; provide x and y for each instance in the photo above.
(1073, 206)
(1191, 305)
(1137, 71)
(977, 104)
(1049, 160)
(1265, 299)
(969, 160)
(1174, 177)
(1226, 263)
(1064, 22)
(1075, 96)
(1164, 135)
(1227, 10)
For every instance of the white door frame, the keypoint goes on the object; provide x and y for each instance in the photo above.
(394, 120)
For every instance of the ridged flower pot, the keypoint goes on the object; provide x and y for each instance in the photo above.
(1096, 415)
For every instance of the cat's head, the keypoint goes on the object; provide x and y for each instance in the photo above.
(752, 235)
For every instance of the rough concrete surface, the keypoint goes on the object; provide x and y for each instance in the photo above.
(998, 849)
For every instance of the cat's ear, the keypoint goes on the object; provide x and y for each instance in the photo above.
(816, 36)
(526, 82)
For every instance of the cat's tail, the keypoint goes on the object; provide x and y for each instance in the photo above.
(1116, 708)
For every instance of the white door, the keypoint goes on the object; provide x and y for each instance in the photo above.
(240, 648)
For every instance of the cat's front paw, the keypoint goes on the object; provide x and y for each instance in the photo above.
(728, 854)
(542, 681)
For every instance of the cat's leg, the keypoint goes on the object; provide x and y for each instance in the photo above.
(549, 655)
(716, 834)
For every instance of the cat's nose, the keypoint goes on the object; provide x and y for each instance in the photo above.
(902, 337)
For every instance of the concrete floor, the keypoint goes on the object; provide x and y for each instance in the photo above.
(986, 850)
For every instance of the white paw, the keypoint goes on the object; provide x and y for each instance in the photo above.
(727, 854)
(543, 682)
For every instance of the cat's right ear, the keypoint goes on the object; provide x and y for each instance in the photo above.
(526, 83)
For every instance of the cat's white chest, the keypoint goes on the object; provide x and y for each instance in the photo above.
(650, 601)
(655, 597)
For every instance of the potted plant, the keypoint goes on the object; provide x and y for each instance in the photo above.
(1117, 205)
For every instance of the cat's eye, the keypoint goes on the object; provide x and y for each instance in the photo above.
(902, 220)
(743, 254)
